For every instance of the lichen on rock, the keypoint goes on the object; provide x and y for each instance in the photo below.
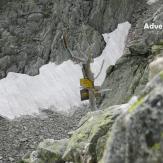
(136, 104)
(82, 145)
(136, 136)
(48, 151)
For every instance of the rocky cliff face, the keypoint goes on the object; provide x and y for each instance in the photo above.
(128, 133)
(31, 36)
(130, 74)
(31, 31)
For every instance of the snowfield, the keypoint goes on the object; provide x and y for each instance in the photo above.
(57, 86)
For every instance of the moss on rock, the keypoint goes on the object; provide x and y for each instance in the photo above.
(136, 104)
(156, 146)
(48, 151)
(82, 145)
(161, 75)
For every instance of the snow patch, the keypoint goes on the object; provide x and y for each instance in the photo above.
(57, 86)
(115, 44)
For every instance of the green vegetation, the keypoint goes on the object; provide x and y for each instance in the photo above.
(156, 146)
(88, 136)
(161, 75)
(161, 134)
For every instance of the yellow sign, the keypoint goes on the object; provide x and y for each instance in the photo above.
(86, 83)
(84, 94)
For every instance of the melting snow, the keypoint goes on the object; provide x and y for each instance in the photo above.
(57, 86)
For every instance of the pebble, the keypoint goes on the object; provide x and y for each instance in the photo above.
(11, 159)
(22, 135)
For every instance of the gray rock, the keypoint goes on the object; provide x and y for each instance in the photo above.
(22, 136)
(130, 133)
(82, 144)
(31, 31)
(11, 159)
(137, 135)
(31, 36)
(48, 151)
(130, 74)
(155, 67)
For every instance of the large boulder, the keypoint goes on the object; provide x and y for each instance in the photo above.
(129, 76)
(82, 146)
(137, 135)
(86, 144)
(48, 151)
